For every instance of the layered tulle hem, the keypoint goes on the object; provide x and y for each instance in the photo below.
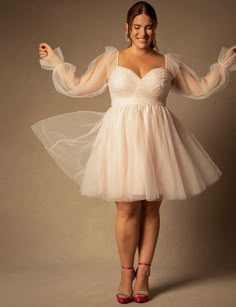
(129, 153)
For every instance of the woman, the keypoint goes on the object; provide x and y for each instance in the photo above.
(137, 152)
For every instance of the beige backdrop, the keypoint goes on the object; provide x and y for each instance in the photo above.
(43, 219)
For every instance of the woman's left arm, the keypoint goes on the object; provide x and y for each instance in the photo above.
(91, 83)
(189, 84)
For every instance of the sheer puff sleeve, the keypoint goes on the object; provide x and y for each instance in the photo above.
(189, 84)
(93, 82)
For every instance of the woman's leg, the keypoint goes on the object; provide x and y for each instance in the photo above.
(127, 228)
(149, 231)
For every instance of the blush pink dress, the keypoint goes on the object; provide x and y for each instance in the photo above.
(137, 149)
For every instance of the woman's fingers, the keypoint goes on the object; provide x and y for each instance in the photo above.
(44, 50)
(43, 53)
(44, 45)
(233, 48)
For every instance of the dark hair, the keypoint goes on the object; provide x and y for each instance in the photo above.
(138, 8)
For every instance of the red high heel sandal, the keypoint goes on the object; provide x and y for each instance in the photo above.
(123, 296)
(141, 296)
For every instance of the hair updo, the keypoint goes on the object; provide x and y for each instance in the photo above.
(138, 8)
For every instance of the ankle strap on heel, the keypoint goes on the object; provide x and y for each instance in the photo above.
(127, 268)
(146, 264)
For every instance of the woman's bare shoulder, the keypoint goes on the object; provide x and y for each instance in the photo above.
(124, 51)
(157, 54)
(158, 58)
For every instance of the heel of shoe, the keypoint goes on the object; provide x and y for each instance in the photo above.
(123, 296)
(141, 296)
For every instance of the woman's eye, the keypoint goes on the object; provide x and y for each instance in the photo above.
(147, 28)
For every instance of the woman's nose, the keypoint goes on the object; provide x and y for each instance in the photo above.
(143, 31)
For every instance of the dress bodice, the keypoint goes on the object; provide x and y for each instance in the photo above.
(126, 86)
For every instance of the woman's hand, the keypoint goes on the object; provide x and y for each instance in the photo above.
(47, 53)
(231, 50)
(228, 58)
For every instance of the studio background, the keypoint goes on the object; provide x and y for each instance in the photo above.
(45, 224)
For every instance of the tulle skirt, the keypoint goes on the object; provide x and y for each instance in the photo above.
(130, 152)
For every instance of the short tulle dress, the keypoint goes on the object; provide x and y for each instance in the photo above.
(137, 149)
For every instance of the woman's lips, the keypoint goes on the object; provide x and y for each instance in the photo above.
(142, 39)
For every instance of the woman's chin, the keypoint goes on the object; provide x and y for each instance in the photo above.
(141, 44)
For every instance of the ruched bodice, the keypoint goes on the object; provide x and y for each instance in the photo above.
(125, 86)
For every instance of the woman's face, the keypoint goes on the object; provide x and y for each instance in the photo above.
(142, 31)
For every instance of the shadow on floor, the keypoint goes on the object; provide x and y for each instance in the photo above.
(187, 279)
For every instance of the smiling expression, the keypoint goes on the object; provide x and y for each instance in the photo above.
(142, 31)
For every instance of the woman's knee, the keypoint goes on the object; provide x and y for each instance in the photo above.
(151, 207)
(129, 209)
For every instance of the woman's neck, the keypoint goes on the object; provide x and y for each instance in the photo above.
(138, 51)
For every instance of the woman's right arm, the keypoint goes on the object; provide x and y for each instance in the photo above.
(189, 84)
(93, 82)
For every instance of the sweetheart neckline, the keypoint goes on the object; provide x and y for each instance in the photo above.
(137, 76)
